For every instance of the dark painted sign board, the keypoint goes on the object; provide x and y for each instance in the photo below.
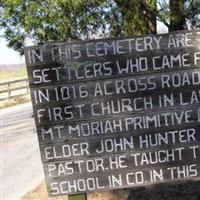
(117, 113)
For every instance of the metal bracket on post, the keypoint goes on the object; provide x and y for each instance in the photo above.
(78, 197)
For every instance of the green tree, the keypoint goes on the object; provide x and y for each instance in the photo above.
(61, 20)
(50, 20)
(138, 17)
(66, 20)
(179, 14)
(193, 13)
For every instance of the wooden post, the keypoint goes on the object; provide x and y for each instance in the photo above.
(9, 92)
(27, 86)
(78, 197)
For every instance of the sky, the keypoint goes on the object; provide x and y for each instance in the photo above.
(9, 56)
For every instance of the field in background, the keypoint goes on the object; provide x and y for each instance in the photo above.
(11, 73)
(15, 101)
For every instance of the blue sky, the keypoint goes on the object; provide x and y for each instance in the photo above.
(9, 56)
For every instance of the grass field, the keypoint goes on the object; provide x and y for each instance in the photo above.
(10, 73)
(15, 101)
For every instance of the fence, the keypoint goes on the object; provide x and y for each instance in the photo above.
(14, 88)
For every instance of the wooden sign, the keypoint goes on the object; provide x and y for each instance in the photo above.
(117, 113)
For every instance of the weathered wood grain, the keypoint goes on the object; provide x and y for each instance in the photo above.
(116, 113)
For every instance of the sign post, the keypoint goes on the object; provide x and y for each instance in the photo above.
(117, 113)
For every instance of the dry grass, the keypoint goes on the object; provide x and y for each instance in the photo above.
(9, 74)
(173, 191)
(14, 101)
(40, 193)
(111, 195)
